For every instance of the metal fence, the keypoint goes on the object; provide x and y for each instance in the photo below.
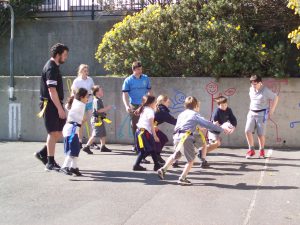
(95, 5)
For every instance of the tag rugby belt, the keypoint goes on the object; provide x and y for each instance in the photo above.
(187, 134)
(45, 103)
(266, 112)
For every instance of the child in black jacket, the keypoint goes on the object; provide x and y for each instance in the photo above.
(162, 115)
(223, 114)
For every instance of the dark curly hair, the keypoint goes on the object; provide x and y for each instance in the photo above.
(58, 49)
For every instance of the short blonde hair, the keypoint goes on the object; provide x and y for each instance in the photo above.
(80, 68)
(161, 99)
(191, 103)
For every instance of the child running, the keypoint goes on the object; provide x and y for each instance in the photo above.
(162, 115)
(97, 121)
(223, 114)
(76, 106)
(145, 136)
(187, 122)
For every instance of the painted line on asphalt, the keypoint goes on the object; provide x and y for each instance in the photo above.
(259, 183)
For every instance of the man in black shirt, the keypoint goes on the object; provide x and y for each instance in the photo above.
(52, 95)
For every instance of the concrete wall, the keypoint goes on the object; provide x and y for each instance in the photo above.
(33, 39)
(18, 120)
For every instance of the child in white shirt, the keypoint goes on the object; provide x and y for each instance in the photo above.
(76, 106)
(145, 136)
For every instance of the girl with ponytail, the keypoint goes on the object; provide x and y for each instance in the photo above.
(145, 136)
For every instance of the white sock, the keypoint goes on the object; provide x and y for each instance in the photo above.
(67, 162)
(74, 162)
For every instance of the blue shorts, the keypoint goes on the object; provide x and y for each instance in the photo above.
(89, 106)
(73, 148)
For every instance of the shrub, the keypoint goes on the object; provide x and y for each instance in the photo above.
(201, 38)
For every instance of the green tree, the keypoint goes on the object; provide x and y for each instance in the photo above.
(295, 34)
(22, 9)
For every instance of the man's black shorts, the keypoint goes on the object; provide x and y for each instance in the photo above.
(51, 118)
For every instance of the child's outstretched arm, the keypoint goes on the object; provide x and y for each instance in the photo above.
(208, 124)
(170, 119)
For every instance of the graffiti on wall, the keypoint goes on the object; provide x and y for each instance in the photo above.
(275, 86)
(212, 89)
(294, 123)
(124, 130)
(177, 101)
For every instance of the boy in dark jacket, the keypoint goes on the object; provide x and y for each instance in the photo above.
(223, 114)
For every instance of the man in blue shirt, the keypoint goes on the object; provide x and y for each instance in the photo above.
(134, 88)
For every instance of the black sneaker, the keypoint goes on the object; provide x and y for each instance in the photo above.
(161, 173)
(105, 149)
(52, 166)
(161, 160)
(204, 163)
(87, 150)
(56, 164)
(145, 161)
(95, 146)
(184, 182)
(75, 172)
(139, 168)
(157, 167)
(44, 160)
(66, 171)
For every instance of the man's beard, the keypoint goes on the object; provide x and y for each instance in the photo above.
(60, 60)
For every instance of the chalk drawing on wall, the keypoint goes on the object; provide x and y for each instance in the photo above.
(177, 101)
(275, 86)
(124, 129)
(294, 123)
(14, 120)
(212, 89)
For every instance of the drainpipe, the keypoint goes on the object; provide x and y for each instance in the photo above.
(11, 51)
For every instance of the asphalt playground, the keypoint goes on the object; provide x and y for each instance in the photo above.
(233, 191)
